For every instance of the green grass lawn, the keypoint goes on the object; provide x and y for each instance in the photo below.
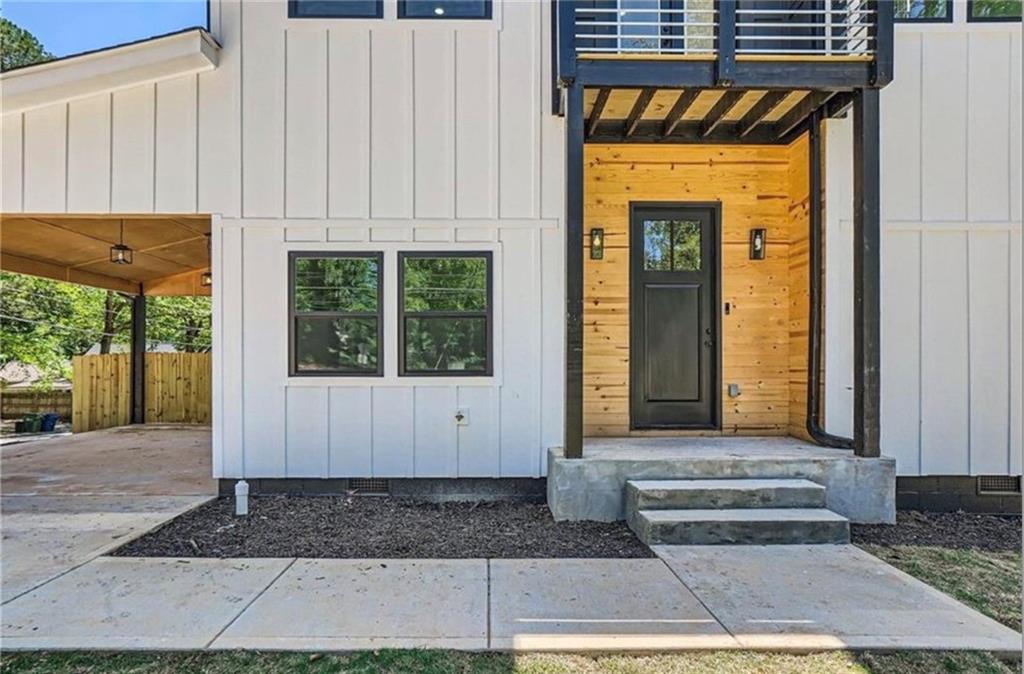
(987, 581)
(448, 662)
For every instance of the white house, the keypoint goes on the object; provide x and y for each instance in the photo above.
(452, 237)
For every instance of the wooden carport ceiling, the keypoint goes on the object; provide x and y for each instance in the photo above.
(170, 253)
(696, 115)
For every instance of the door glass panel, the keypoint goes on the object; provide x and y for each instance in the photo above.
(658, 245)
(686, 245)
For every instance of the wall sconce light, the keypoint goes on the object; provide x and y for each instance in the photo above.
(597, 243)
(206, 279)
(758, 241)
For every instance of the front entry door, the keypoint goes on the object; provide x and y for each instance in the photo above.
(674, 328)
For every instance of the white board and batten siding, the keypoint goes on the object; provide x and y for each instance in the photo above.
(951, 253)
(316, 134)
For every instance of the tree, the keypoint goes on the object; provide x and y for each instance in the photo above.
(18, 47)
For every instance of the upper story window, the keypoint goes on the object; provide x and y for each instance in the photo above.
(444, 9)
(445, 314)
(994, 10)
(923, 11)
(336, 313)
(335, 9)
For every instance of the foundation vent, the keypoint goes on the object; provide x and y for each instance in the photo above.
(369, 486)
(998, 484)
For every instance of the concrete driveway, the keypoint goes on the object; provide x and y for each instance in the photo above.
(68, 500)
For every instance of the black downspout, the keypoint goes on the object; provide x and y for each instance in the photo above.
(814, 429)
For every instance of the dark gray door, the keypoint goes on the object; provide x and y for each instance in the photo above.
(674, 331)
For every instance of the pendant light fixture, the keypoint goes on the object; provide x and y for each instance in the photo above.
(206, 278)
(120, 253)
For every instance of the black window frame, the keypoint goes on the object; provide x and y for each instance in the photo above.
(294, 12)
(988, 19)
(929, 19)
(487, 314)
(293, 315)
(405, 16)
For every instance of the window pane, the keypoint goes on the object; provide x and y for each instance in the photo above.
(996, 9)
(445, 9)
(346, 284)
(338, 8)
(686, 246)
(336, 344)
(445, 344)
(445, 283)
(658, 245)
(643, 35)
(920, 9)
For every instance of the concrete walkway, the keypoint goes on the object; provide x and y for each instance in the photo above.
(792, 598)
(69, 499)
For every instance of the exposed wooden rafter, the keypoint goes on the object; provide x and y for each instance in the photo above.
(792, 119)
(639, 108)
(675, 115)
(759, 111)
(718, 112)
(597, 110)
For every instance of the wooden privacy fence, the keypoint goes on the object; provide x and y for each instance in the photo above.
(19, 402)
(178, 390)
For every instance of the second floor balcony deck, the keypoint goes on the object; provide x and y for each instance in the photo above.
(810, 44)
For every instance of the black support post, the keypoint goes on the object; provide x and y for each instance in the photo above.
(139, 359)
(574, 124)
(866, 274)
(725, 64)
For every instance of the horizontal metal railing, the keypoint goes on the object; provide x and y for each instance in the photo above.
(818, 28)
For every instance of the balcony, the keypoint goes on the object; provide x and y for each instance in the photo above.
(811, 44)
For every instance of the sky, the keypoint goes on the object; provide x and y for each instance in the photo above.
(74, 26)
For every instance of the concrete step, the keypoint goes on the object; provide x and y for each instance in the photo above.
(707, 494)
(751, 526)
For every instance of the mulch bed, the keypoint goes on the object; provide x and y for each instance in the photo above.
(959, 530)
(365, 527)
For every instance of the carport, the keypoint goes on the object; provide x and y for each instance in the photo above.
(139, 256)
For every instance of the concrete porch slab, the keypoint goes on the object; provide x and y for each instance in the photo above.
(351, 604)
(592, 488)
(812, 597)
(596, 604)
(45, 536)
(114, 603)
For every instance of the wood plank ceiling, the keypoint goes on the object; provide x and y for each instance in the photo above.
(697, 115)
(170, 253)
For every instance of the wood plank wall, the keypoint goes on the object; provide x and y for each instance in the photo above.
(754, 186)
(178, 390)
(799, 286)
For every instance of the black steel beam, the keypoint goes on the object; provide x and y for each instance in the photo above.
(719, 110)
(637, 112)
(883, 34)
(800, 112)
(138, 359)
(678, 74)
(866, 274)
(574, 272)
(597, 110)
(679, 108)
(759, 111)
(725, 30)
(684, 132)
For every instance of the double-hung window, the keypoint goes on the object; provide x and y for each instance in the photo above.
(335, 9)
(335, 305)
(445, 313)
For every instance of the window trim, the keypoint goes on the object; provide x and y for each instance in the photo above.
(405, 16)
(293, 315)
(932, 19)
(988, 19)
(487, 314)
(293, 13)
